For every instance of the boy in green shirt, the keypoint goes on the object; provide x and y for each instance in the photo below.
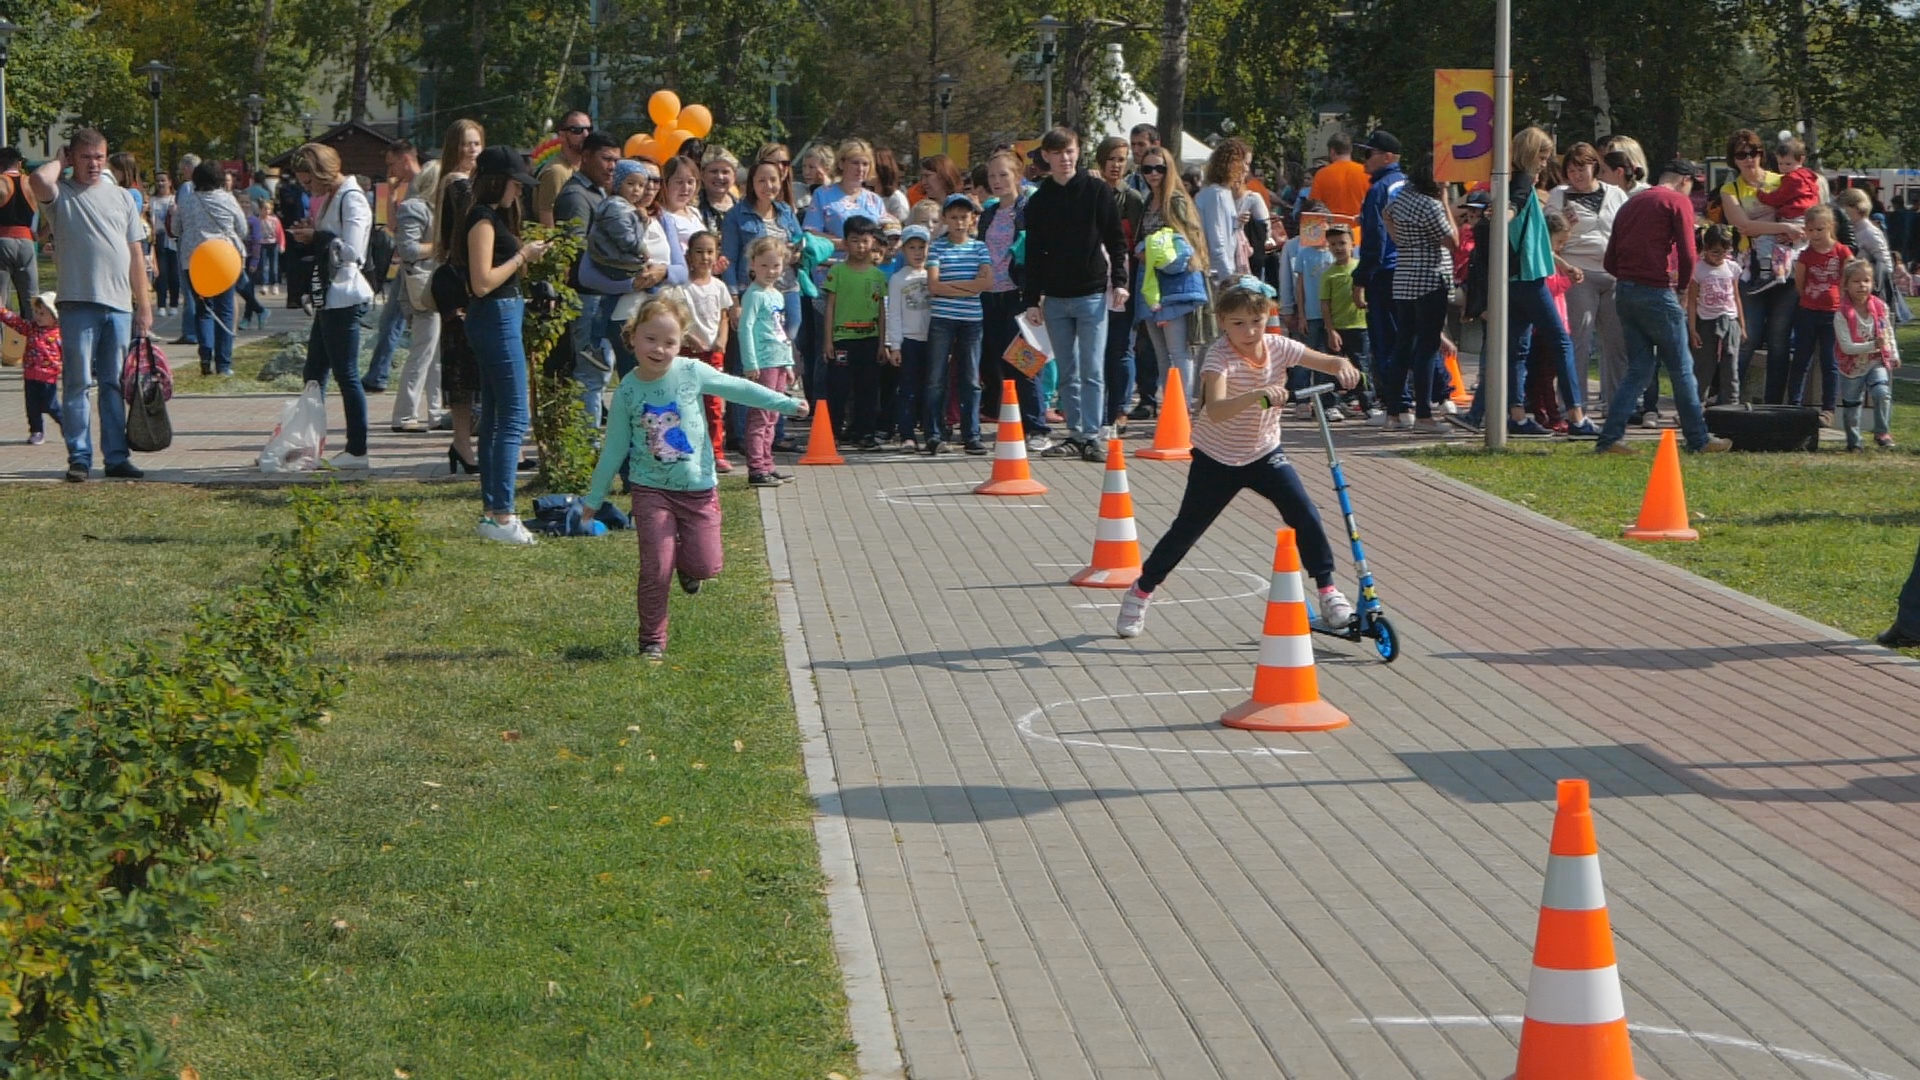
(856, 324)
(1343, 310)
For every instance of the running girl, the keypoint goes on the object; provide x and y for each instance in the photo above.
(1236, 445)
(658, 428)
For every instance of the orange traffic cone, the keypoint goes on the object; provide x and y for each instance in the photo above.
(1116, 546)
(1011, 474)
(1663, 512)
(820, 448)
(1462, 394)
(1576, 1022)
(1286, 692)
(1173, 436)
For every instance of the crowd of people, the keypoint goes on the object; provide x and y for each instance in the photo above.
(833, 277)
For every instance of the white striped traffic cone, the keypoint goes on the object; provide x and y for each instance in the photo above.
(1011, 473)
(1116, 544)
(1286, 689)
(1576, 1022)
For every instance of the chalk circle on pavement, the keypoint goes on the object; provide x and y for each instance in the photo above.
(1653, 1031)
(943, 495)
(1034, 724)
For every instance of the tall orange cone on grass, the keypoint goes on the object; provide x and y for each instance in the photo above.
(1116, 544)
(1576, 1022)
(1173, 435)
(820, 448)
(1461, 395)
(1663, 512)
(1286, 690)
(1011, 473)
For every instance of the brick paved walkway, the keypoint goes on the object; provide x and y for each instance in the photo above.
(1069, 870)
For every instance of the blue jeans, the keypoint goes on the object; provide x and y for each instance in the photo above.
(1077, 328)
(1383, 328)
(189, 317)
(213, 331)
(1812, 341)
(94, 340)
(1530, 307)
(166, 279)
(393, 330)
(944, 336)
(590, 366)
(1652, 319)
(270, 264)
(1119, 362)
(333, 348)
(1419, 324)
(493, 329)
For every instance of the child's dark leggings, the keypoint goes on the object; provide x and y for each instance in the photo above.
(1211, 486)
(43, 399)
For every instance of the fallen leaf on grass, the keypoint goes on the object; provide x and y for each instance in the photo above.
(703, 874)
(633, 728)
(553, 988)
(188, 1072)
(738, 746)
(648, 1037)
(565, 754)
(509, 736)
(402, 1074)
(665, 819)
(699, 766)
(431, 784)
(603, 878)
(643, 1001)
(619, 768)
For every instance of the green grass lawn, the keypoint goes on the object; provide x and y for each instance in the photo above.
(248, 358)
(528, 853)
(1830, 535)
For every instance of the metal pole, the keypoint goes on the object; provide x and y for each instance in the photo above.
(156, 132)
(5, 136)
(1493, 362)
(773, 109)
(943, 129)
(1049, 126)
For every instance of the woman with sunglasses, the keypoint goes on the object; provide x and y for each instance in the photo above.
(1769, 298)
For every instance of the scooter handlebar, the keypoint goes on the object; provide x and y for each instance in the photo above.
(1312, 392)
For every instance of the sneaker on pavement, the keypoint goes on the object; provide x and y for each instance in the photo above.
(1142, 411)
(1432, 426)
(1303, 411)
(1464, 422)
(1065, 448)
(1038, 444)
(783, 476)
(761, 479)
(1583, 430)
(1092, 451)
(976, 447)
(1400, 422)
(1650, 419)
(1527, 429)
(344, 460)
(1715, 445)
(36, 438)
(76, 474)
(1336, 611)
(126, 470)
(1334, 415)
(1379, 418)
(1449, 408)
(1133, 613)
(510, 531)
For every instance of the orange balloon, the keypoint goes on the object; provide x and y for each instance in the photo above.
(214, 267)
(695, 120)
(637, 144)
(668, 141)
(663, 107)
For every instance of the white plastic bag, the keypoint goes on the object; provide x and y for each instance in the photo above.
(300, 438)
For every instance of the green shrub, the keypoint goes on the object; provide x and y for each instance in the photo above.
(566, 436)
(124, 814)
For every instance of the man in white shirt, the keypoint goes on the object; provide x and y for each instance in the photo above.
(103, 296)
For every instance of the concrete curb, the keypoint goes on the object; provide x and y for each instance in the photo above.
(1817, 629)
(869, 1015)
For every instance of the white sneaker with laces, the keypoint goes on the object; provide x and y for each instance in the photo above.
(1334, 415)
(1379, 418)
(510, 531)
(1432, 426)
(1133, 613)
(1449, 407)
(1038, 443)
(1336, 611)
(344, 460)
(1403, 422)
(1651, 420)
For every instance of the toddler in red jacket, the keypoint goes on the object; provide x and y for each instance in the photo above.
(41, 367)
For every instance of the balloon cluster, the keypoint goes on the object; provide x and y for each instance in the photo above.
(673, 126)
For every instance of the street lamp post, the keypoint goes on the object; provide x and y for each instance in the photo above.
(1555, 103)
(944, 84)
(306, 124)
(7, 30)
(1493, 361)
(777, 76)
(1049, 29)
(255, 106)
(155, 69)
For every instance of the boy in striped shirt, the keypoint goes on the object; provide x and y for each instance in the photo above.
(959, 269)
(1236, 445)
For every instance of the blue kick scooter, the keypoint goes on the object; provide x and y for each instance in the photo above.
(1369, 620)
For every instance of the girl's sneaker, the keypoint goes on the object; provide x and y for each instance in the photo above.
(39, 437)
(653, 654)
(1583, 430)
(1133, 612)
(1336, 611)
(1883, 440)
(763, 479)
(510, 531)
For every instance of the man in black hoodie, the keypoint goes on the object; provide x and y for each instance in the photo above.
(1076, 255)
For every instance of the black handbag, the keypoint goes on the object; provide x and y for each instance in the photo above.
(149, 429)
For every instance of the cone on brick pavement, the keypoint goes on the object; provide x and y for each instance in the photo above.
(1116, 544)
(1286, 690)
(1576, 1022)
(1173, 435)
(1011, 473)
(820, 448)
(1663, 512)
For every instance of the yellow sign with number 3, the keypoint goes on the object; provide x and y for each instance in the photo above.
(1462, 125)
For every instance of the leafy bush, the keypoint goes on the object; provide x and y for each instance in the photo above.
(123, 815)
(567, 437)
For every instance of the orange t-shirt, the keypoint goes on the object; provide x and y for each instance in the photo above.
(1342, 186)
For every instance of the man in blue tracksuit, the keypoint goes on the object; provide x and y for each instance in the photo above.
(1378, 256)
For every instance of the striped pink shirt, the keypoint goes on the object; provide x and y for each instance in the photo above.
(1254, 433)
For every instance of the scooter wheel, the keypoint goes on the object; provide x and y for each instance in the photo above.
(1385, 641)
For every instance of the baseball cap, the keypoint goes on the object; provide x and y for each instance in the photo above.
(916, 232)
(1480, 198)
(1682, 167)
(959, 198)
(504, 161)
(1339, 229)
(1381, 140)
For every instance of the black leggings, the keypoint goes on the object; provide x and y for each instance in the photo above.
(1211, 486)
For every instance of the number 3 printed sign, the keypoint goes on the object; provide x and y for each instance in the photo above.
(1462, 125)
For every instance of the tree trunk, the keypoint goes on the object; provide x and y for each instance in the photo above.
(1173, 73)
(362, 73)
(1602, 101)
